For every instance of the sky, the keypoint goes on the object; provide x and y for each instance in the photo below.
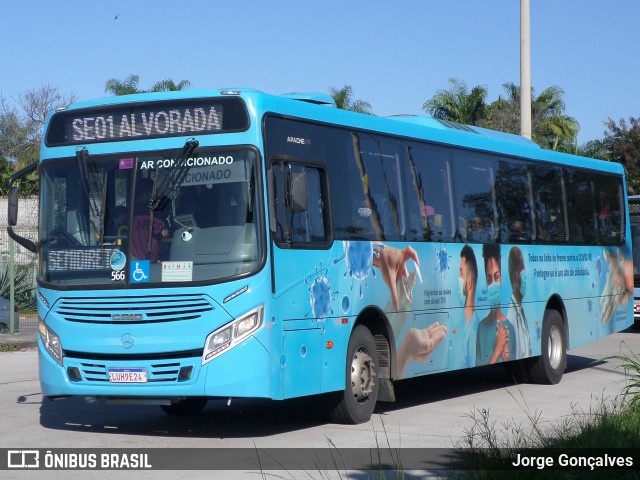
(395, 54)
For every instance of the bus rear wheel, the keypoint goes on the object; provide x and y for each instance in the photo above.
(356, 402)
(549, 367)
(186, 406)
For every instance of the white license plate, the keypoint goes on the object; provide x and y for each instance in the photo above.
(127, 375)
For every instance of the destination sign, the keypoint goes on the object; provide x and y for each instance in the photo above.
(147, 120)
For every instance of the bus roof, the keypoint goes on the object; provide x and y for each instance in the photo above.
(320, 107)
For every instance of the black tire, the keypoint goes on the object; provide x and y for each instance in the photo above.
(186, 406)
(549, 367)
(356, 402)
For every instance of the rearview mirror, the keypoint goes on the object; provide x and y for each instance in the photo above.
(12, 212)
(297, 195)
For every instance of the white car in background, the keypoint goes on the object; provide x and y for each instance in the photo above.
(4, 315)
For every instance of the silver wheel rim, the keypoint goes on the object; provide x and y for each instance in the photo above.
(362, 374)
(555, 347)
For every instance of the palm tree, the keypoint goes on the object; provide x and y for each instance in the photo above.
(504, 113)
(123, 87)
(560, 133)
(129, 86)
(344, 100)
(169, 85)
(552, 129)
(458, 104)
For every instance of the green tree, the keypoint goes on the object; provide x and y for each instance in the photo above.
(622, 144)
(551, 127)
(170, 86)
(595, 149)
(344, 100)
(130, 85)
(21, 132)
(504, 113)
(458, 104)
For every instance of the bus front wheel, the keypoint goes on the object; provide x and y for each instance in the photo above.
(549, 367)
(356, 402)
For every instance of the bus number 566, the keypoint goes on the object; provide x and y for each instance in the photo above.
(117, 275)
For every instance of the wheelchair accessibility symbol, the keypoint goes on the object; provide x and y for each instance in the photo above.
(139, 271)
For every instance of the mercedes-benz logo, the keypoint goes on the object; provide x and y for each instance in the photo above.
(126, 341)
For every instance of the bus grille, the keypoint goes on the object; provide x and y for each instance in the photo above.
(133, 310)
(162, 372)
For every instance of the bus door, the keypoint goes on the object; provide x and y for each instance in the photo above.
(300, 271)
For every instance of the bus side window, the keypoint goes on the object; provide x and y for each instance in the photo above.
(378, 161)
(610, 208)
(549, 205)
(299, 225)
(582, 210)
(309, 225)
(475, 197)
(515, 202)
(430, 202)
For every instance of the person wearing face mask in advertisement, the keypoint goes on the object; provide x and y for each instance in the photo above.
(464, 345)
(516, 314)
(496, 338)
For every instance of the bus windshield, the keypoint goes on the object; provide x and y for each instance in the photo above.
(149, 218)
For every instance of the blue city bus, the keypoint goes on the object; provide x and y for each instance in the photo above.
(634, 218)
(231, 243)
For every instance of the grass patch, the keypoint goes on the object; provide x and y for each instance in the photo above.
(9, 347)
(611, 424)
(493, 446)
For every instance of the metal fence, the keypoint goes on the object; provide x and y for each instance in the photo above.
(24, 262)
(26, 323)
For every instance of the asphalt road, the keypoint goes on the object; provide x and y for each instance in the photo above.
(437, 411)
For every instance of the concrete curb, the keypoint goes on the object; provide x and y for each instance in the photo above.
(24, 340)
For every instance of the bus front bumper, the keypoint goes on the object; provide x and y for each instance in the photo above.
(243, 371)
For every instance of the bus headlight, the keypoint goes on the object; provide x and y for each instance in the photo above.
(51, 342)
(231, 334)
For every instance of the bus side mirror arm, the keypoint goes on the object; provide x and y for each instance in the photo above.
(25, 242)
(12, 208)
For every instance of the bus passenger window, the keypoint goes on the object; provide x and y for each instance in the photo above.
(378, 161)
(549, 208)
(479, 229)
(582, 209)
(361, 219)
(299, 226)
(515, 202)
(609, 205)
(430, 205)
(475, 198)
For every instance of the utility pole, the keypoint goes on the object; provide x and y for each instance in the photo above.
(525, 70)
(12, 289)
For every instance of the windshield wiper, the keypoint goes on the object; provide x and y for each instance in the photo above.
(82, 154)
(160, 193)
(96, 207)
